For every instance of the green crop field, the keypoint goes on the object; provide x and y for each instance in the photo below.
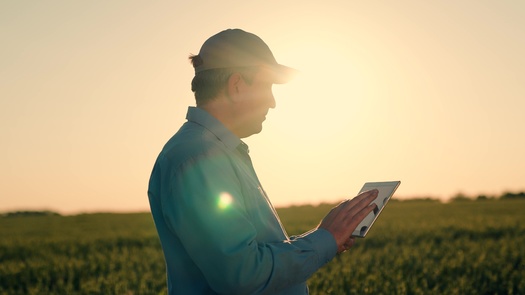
(416, 247)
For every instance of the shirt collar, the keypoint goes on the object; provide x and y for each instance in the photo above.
(203, 118)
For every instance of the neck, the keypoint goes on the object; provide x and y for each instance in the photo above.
(221, 109)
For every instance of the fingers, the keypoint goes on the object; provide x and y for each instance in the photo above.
(357, 203)
(359, 216)
(347, 210)
(360, 202)
(351, 224)
(366, 197)
(355, 217)
(344, 218)
(347, 245)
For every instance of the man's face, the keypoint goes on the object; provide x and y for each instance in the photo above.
(256, 98)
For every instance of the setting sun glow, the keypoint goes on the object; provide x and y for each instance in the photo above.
(429, 93)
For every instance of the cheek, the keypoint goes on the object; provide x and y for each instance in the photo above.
(265, 98)
(256, 100)
(260, 98)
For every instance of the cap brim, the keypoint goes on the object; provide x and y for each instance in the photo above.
(280, 74)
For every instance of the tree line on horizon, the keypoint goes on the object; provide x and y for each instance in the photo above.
(457, 198)
(504, 196)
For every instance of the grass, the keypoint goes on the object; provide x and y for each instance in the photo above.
(416, 247)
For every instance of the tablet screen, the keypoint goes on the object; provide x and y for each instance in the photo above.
(386, 190)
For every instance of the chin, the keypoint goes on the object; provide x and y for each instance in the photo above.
(252, 132)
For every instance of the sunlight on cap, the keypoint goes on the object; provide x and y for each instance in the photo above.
(225, 200)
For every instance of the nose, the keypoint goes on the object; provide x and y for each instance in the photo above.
(272, 102)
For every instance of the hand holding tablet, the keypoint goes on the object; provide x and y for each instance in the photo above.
(354, 217)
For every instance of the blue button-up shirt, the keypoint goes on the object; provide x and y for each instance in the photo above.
(218, 230)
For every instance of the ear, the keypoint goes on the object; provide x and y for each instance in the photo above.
(234, 87)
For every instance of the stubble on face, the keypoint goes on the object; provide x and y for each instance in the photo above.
(253, 108)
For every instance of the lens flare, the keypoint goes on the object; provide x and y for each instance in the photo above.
(225, 200)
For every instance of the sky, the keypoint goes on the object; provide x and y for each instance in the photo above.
(431, 93)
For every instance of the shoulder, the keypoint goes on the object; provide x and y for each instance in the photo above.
(191, 143)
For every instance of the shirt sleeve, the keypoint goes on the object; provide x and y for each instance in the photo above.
(204, 206)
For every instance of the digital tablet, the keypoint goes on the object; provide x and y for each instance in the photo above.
(386, 190)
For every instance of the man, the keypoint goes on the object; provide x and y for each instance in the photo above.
(218, 230)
